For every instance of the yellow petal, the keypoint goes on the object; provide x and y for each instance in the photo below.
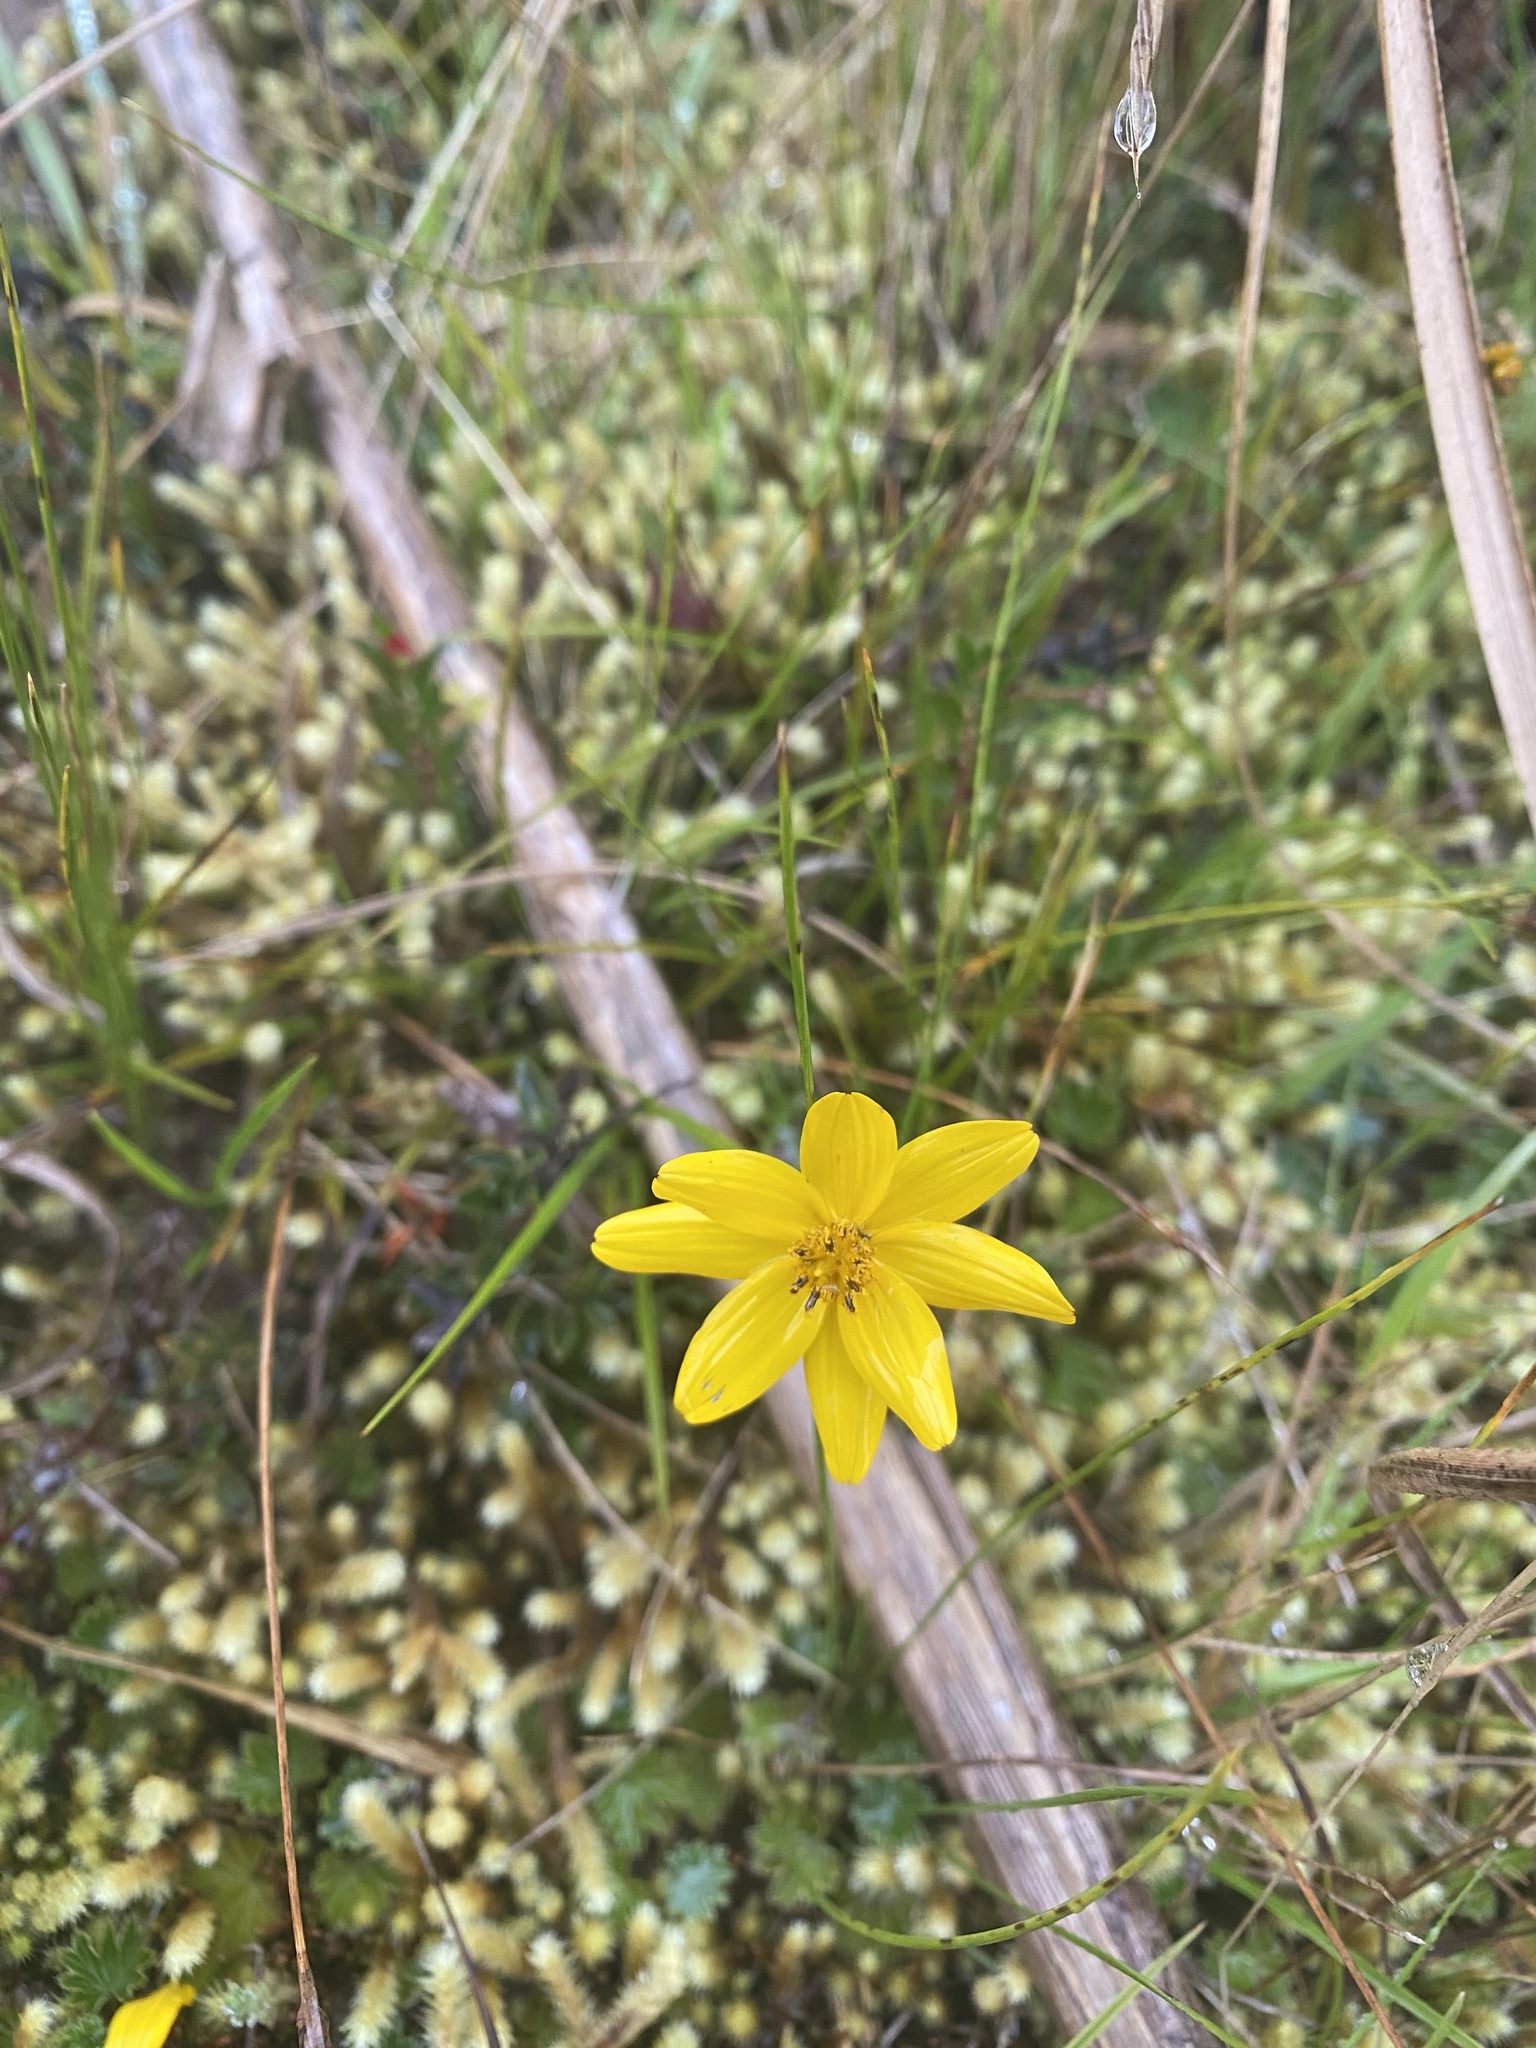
(947, 1173)
(893, 1340)
(744, 1191)
(745, 1343)
(672, 1239)
(954, 1267)
(145, 2022)
(849, 1413)
(847, 1151)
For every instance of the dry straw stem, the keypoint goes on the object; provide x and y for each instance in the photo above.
(422, 1756)
(1472, 466)
(973, 1684)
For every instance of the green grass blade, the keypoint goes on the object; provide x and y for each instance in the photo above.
(1401, 1316)
(1089, 1795)
(158, 1176)
(532, 1234)
(1033, 1923)
(1144, 1979)
(49, 167)
(792, 936)
(1140, 1981)
(254, 1122)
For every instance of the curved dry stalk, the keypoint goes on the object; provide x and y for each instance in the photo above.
(1484, 516)
(971, 1681)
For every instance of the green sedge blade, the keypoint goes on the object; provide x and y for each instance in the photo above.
(532, 1234)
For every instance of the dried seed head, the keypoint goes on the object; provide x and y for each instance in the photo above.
(371, 1575)
(373, 2007)
(189, 1940)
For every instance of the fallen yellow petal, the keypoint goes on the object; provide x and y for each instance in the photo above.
(145, 2022)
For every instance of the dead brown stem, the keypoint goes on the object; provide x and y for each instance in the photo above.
(313, 2031)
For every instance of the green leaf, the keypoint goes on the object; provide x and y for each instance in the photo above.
(353, 1892)
(1403, 1314)
(79, 1570)
(1081, 1375)
(104, 1964)
(254, 1779)
(798, 1865)
(75, 2030)
(889, 1811)
(255, 1122)
(348, 1465)
(1086, 1117)
(93, 1626)
(660, 1788)
(698, 1880)
(26, 1720)
(240, 1890)
(159, 1177)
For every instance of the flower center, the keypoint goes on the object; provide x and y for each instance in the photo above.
(834, 1258)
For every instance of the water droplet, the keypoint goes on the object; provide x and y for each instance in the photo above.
(1501, 1843)
(1278, 1631)
(1423, 1662)
(774, 179)
(1135, 123)
(1208, 1843)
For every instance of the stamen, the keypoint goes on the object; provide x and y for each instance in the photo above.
(834, 1260)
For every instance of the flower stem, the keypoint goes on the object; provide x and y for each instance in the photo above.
(808, 1076)
(892, 820)
(792, 920)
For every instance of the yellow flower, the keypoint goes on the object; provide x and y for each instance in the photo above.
(838, 1263)
(145, 2022)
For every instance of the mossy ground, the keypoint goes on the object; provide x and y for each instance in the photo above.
(757, 285)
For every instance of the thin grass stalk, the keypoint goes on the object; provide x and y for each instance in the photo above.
(953, 928)
(58, 712)
(792, 937)
(892, 816)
